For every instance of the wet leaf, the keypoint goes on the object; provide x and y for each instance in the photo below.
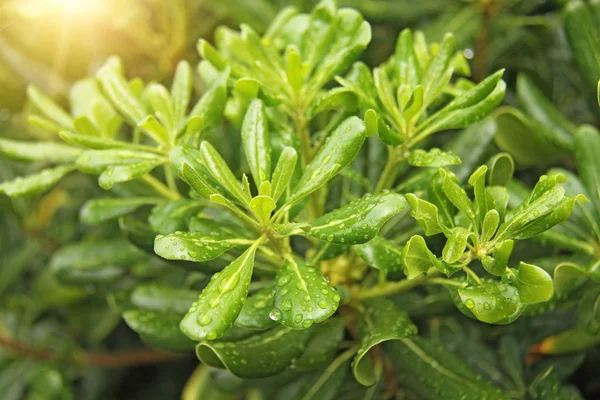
(255, 312)
(432, 158)
(36, 183)
(97, 211)
(381, 253)
(533, 283)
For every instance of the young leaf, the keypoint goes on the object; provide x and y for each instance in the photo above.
(337, 152)
(48, 108)
(258, 356)
(502, 168)
(497, 265)
(381, 253)
(181, 91)
(255, 312)
(284, 170)
(455, 245)
(262, 207)
(417, 258)
(359, 221)
(533, 283)
(302, 296)
(125, 173)
(35, 183)
(426, 215)
(255, 136)
(587, 146)
(456, 194)
(221, 301)
(220, 171)
(96, 161)
(209, 109)
(379, 322)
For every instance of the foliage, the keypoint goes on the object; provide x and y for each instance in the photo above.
(306, 225)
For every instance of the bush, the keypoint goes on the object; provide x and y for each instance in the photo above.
(314, 227)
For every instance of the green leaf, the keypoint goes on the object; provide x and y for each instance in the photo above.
(502, 168)
(38, 151)
(547, 386)
(255, 137)
(158, 329)
(119, 92)
(337, 153)
(455, 245)
(359, 221)
(36, 183)
(456, 194)
(417, 258)
(381, 253)
(188, 165)
(255, 312)
(290, 228)
(526, 140)
(262, 207)
(97, 211)
(220, 171)
(587, 148)
(208, 111)
(432, 158)
(100, 143)
(162, 104)
(98, 261)
(89, 104)
(489, 225)
(126, 173)
(477, 180)
(533, 283)
(96, 161)
(48, 108)
(196, 246)
(426, 214)
(162, 298)
(221, 301)
(492, 302)
(323, 344)
(569, 276)
(181, 92)
(497, 265)
(380, 321)
(258, 356)
(433, 372)
(302, 295)
(284, 170)
(174, 215)
(581, 28)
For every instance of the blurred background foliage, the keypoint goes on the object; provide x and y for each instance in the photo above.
(53, 43)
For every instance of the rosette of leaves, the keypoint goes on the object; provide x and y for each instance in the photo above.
(482, 229)
(158, 120)
(413, 95)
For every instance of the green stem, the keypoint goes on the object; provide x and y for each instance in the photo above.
(335, 364)
(388, 176)
(391, 288)
(160, 188)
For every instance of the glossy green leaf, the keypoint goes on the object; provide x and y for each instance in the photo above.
(188, 164)
(196, 246)
(359, 221)
(381, 253)
(338, 151)
(533, 283)
(502, 168)
(432, 158)
(208, 111)
(569, 276)
(162, 104)
(456, 194)
(581, 28)
(126, 173)
(290, 228)
(258, 356)
(417, 258)
(35, 183)
(255, 312)
(455, 245)
(162, 298)
(433, 372)
(220, 171)
(38, 151)
(492, 302)
(221, 301)
(302, 295)
(96, 161)
(425, 213)
(262, 207)
(489, 225)
(48, 108)
(173, 216)
(181, 91)
(380, 321)
(158, 329)
(284, 170)
(119, 92)
(497, 264)
(587, 146)
(97, 211)
(255, 137)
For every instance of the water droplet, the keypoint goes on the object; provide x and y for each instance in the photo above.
(283, 280)
(486, 305)
(275, 314)
(323, 304)
(307, 323)
(298, 318)
(470, 303)
(286, 305)
(336, 297)
(205, 320)
(212, 335)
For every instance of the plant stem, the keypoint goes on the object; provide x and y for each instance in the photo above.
(160, 188)
(335, 364)
(388, 176)
(85, 359)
